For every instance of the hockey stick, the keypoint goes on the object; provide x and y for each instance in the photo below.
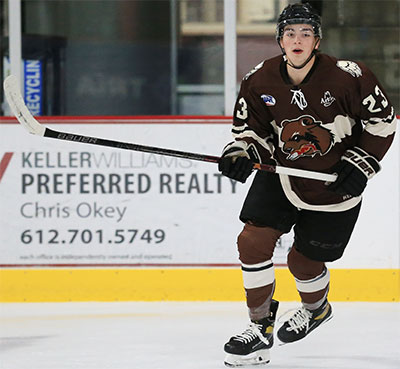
(24, 116)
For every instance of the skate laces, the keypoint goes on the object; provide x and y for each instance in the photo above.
(252, 332)
(299, 320)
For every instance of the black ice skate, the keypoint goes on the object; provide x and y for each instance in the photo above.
(252, 346)
(303, 322)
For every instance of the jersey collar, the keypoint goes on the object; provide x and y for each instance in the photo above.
(285, 75)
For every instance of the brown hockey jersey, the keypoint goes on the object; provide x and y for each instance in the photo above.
(339, 105)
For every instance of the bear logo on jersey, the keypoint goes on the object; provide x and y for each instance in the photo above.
(305, 137)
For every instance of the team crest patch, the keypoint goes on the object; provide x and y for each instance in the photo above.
(328, 99)
(350, 67)
(269, 100)
(305, 137)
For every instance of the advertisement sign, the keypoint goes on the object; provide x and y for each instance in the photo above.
(66, 203)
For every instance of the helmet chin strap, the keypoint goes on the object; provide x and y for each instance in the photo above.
(303, 64)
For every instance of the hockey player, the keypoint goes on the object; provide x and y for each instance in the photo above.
(310, 111)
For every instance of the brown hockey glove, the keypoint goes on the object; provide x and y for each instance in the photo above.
(354, 170)
(235, 162)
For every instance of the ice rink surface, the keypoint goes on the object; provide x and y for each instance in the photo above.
(140, 335)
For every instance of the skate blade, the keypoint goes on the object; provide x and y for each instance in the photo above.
(260, 357)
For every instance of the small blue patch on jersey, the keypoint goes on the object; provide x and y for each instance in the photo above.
(269, 100)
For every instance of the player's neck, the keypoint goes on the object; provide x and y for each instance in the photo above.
(298, 75)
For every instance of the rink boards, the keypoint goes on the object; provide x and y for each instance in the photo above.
(88, 223)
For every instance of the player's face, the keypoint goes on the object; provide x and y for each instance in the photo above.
(298, 40)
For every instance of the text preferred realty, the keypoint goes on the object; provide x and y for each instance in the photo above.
(115, 173)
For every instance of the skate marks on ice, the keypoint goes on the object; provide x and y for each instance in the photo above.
(115, 335)
(185, 336)
(9, 343)
(348, 362)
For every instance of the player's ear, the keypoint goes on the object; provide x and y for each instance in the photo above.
(318, 43)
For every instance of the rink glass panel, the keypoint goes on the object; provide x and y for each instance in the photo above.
(136, 57)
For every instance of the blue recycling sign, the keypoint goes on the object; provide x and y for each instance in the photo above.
(33, 82)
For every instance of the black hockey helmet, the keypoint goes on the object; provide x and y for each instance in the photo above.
(298, 14)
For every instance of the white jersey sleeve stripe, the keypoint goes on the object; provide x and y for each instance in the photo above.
(248, 133)
(381, 127)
